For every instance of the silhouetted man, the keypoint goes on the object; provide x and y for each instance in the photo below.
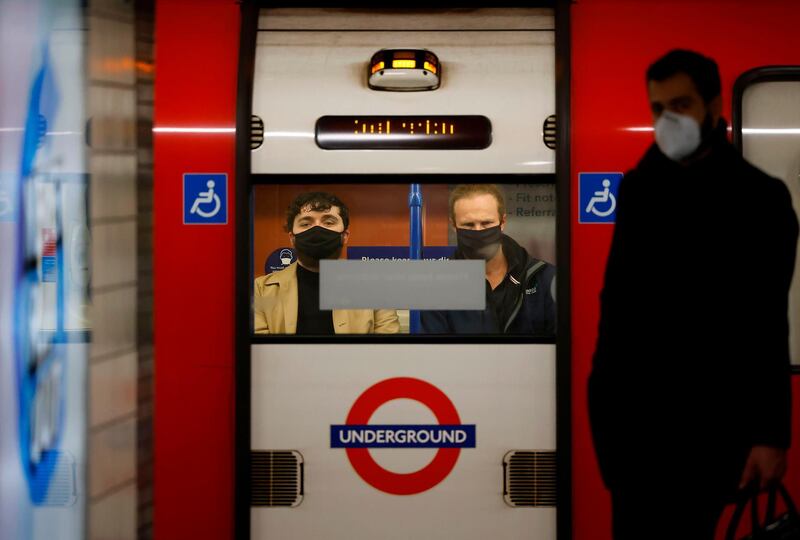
(689, 394)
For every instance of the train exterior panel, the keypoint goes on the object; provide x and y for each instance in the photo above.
(313, 67)
(612, 43)
(505, 74)
(300, 392)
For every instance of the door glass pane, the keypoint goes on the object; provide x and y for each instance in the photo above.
(771, 142)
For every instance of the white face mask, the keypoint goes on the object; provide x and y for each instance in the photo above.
(677, 135)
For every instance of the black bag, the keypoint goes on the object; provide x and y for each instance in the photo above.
(784, 527)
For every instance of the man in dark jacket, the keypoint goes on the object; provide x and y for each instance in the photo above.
(689, 395)
(519, 288)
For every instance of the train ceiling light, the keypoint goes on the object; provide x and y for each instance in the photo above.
(404, 70)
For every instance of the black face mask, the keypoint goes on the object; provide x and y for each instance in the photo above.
(481, 244)
(319, 243)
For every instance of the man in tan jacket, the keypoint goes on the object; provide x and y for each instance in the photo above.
(287, 301)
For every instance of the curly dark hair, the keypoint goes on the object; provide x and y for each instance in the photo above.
(702, 70)
(318, 201)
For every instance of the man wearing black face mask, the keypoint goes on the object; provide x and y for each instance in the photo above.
(689, 395)
(287, 301)
(519, 288)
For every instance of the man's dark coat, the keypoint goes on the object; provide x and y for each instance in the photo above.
(692, 366)
(530, 301)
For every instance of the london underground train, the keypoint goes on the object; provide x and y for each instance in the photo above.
(410, 434)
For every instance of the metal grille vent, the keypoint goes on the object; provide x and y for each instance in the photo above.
(276, 478)
(62, 489)
(549, 132)
(529, 478)
(256, 132)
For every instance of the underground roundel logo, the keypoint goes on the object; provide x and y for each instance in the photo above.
(357, 436)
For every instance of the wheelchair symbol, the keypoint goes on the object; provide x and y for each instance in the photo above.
(602, 197)
(206, 197)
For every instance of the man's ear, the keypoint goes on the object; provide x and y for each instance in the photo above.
(291, 239)
(345, 236)
(503, 222)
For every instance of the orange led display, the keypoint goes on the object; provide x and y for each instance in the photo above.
(407, 133)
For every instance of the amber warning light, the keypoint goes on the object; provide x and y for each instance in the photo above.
(404, 70)
(463, 132)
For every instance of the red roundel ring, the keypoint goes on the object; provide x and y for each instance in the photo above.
(403, 483)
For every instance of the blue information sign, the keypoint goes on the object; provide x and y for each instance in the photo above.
(598, 197)
(205, 198)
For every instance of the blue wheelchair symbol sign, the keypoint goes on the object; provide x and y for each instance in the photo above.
(598, 197)
(205, 198)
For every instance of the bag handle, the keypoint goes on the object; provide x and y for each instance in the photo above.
(745, 496)
(770, 517)
(751, 496)
(787, 500)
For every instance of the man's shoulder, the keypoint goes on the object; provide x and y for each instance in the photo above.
(542, 270)
(265, 285)
(767, 196)
(539, 263)
(639, 177)
(762, 181)
(651, 161)
(273, 280)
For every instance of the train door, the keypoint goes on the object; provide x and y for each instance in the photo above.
(380, 427)
(766, 129)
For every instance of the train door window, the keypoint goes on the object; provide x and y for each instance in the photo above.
(377, 223)
(770, 137)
